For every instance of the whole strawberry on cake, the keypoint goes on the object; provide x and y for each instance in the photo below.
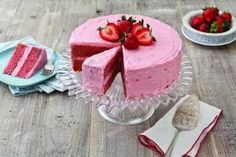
(146, 51)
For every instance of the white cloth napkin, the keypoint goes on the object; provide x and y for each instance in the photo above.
(47, 86)
(160, 136)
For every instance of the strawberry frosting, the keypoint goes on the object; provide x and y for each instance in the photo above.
(100, 70)
(22, 61)
(147, 70)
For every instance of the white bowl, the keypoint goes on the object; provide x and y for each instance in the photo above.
(209, 39)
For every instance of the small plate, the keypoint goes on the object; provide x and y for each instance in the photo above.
(20, 82)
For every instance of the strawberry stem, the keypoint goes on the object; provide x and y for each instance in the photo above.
(141, 22)
(154, 39)
(123, 17)
(122, 38)
(131, 19)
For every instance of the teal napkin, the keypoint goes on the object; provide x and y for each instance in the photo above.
(47, 86)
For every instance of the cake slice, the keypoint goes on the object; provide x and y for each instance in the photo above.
(25, 61)
(100, 70)
(85, 42)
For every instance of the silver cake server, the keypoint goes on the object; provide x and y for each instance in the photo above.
(186, 118)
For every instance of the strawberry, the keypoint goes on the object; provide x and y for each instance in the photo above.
(226, 25)
(219, 20)
(219, 29)
(209, 14)
(124, 25)
(216, 28)
(131, 42)
(203, 27)
(109, 32)
(145, 36)
(196, 21)
(137, 26)
(226, 16)
(223, 24)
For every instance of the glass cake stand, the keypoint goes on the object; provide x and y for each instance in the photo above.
(113, 106)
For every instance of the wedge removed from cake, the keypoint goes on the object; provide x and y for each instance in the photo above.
(100, 70)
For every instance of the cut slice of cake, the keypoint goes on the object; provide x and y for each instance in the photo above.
(85, 42)
(100, 70)
(25, 61)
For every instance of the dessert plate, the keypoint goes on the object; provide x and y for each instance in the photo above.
(20, 82)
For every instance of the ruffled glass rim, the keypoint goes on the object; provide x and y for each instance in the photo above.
(113, 104)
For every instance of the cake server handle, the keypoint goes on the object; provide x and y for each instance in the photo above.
(170, 149)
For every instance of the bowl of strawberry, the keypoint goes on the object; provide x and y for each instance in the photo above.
(209, 26)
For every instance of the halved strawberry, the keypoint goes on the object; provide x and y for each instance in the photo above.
(137, 26)
(145, 36)
(226, 16)
(124, 25)
(209, 14)
(109, 32)
(196, 21)
(131, 41)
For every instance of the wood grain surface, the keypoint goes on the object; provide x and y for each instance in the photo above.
(57, 125)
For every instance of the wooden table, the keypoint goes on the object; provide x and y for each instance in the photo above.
(59, 125)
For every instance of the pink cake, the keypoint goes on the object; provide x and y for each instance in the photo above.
(147, 70)
(25, 61)
(100, 70)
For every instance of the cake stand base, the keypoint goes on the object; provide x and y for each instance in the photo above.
(125, 119)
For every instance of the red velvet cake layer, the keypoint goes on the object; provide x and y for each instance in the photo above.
(79, 54)
(15, 59)
(27, 66)
(111, 70)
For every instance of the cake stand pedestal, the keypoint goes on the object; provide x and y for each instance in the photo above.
(113, 106)
(130, 121)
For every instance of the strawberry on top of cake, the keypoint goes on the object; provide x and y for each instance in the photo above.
(25, 61)
(151, 51)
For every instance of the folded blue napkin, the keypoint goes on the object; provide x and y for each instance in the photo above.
(47, 86)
